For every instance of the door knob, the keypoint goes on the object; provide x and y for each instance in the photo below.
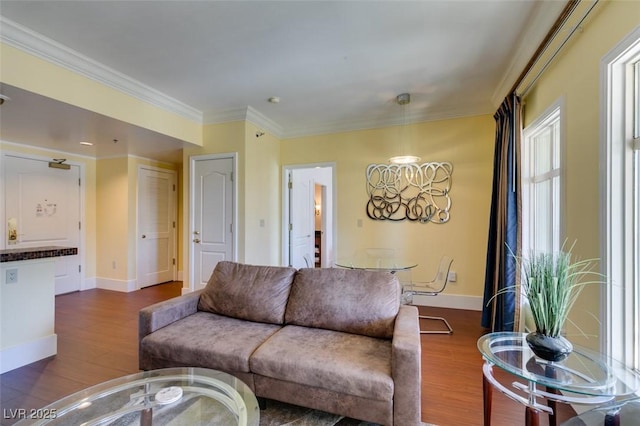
(144, 236)
(197, 240)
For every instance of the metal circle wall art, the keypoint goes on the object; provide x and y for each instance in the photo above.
(415, 192)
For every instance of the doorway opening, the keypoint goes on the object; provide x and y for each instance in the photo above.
(309, 219)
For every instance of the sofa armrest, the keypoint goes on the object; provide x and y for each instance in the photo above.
(406, 361)
(161, 314)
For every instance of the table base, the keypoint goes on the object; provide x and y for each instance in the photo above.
(533, 407)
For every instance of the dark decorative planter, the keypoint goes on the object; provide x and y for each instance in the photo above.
(549, 348)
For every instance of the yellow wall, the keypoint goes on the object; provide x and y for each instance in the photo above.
(110, 205)
(223, 138)
(258, 187)
(258, 179)
(31, 73)
(113, 219)
(467, 143)
(117, 206)
(575, 76)
(28, 72)
(262, 198)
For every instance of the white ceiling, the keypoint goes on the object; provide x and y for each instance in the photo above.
(336, 65)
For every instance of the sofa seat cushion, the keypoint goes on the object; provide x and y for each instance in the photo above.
(341, 362)
(249, 292)
(208, 340)
(353, 301)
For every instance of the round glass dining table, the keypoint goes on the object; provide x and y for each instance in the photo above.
(392, 264)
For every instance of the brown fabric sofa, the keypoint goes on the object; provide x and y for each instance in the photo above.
(336, 340)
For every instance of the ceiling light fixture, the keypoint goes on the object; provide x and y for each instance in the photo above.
(404, 159)
(404, 99)
(4, 98)
(86, 143)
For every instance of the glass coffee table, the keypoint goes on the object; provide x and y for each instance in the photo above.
(584, 377)
(189, 396)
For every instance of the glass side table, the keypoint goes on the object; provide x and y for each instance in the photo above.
(585, 377)
(627, 413)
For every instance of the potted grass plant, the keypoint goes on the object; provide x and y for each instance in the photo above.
(552, 282)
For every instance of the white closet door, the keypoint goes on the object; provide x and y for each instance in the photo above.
(156, 226)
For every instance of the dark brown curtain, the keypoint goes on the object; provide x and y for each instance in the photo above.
(502, 313)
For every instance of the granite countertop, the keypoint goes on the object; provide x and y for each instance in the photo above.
(17, 254)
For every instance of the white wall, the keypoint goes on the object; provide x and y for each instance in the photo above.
(27, 313)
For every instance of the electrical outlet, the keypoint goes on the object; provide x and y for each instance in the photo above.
(453, 276)
(12, 276)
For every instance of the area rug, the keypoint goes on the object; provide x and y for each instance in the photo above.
(281, 414)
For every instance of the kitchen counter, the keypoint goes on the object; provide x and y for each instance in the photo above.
(18, 254)
(27, 304)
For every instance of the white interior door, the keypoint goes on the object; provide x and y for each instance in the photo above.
(302, 219)
(156, 226)
(42, 208)
(213, 213)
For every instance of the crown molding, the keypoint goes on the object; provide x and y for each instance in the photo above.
(31, 42)
(261, 120)
(265, 123)
(22, 38)
(356, 125)
(224, 116)
(244, 114)
(54, 152)
(534, 34)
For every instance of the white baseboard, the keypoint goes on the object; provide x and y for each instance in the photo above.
(454, 301)
(89, 283)
(125, 286)
(26, 353)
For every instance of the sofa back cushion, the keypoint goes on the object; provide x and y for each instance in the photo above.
(249, 292)
(353, 301)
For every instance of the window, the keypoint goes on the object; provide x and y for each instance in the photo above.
(541, 183)
(620, 153)
(541, 160)
(635, 190)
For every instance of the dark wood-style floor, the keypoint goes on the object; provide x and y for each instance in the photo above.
(97, 341)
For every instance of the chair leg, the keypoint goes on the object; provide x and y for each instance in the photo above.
(446, 323)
